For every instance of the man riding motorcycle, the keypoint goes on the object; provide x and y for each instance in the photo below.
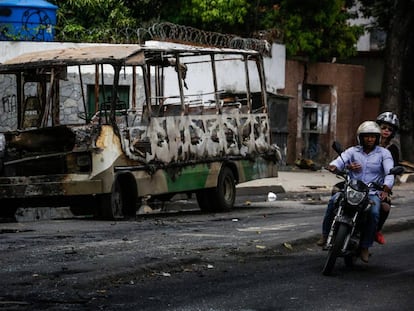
(369, 163)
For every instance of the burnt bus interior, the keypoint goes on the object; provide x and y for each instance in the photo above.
(44, 143)
(40, 144)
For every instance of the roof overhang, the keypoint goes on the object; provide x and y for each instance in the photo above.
(108, 54)
(111, 54)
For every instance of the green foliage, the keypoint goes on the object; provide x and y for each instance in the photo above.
(211, 15)
(76, 17)
(218, 11)
(316, 30)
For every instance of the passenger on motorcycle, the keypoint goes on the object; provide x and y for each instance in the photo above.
(389, 124)
(367, 162)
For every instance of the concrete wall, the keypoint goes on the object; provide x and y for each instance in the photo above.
(344, 93)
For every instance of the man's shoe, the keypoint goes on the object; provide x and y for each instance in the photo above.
(364, 255)
(379, 237)
(322, 241)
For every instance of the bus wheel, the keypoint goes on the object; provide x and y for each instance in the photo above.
(122, 201)
(8, 210)
(226, 190)
(117, 200)
(205, 199)
(222, 197)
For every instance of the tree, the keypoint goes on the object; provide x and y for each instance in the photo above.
(90, 20)
(318, 30)
(396, 17)
(314, 30)
(227, 16)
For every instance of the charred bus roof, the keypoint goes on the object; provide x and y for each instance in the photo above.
(131, 55)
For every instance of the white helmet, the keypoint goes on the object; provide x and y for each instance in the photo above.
(389, 118)
(368, 127)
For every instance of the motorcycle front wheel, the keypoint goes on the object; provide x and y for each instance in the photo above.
(335, 250)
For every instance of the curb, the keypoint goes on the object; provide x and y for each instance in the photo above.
(399, 225)
(259, 190)
(407, 178)
(291, 195)
(279, 189)
(391, 226)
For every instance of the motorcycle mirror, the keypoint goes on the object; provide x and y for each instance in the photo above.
(337, 147)
(397, 170)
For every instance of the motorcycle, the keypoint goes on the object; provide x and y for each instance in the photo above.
(352, 207)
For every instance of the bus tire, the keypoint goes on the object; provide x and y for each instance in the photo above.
(205, 199)
(222, 197)
(8, 209)
(225, 192)
(121, 202)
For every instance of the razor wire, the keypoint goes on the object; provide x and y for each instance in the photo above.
(166, 31)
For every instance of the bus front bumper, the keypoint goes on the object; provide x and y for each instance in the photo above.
(22, 187)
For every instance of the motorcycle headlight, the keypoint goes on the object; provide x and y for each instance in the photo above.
(354, 197)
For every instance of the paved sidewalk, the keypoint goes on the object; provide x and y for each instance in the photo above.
(298, 181)
(317, 185)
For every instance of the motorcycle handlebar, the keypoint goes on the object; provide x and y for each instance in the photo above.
(375, 185)
(338, 172)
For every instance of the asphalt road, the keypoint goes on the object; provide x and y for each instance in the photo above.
(228, 261)
(266, 280)
(278, 282)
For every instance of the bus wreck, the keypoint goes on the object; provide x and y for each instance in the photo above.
(100, 128)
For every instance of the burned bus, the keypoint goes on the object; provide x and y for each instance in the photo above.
(100, 128)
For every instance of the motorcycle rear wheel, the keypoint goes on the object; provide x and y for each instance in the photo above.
(335, 250)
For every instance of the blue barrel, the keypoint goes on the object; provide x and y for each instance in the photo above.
(22, 20)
